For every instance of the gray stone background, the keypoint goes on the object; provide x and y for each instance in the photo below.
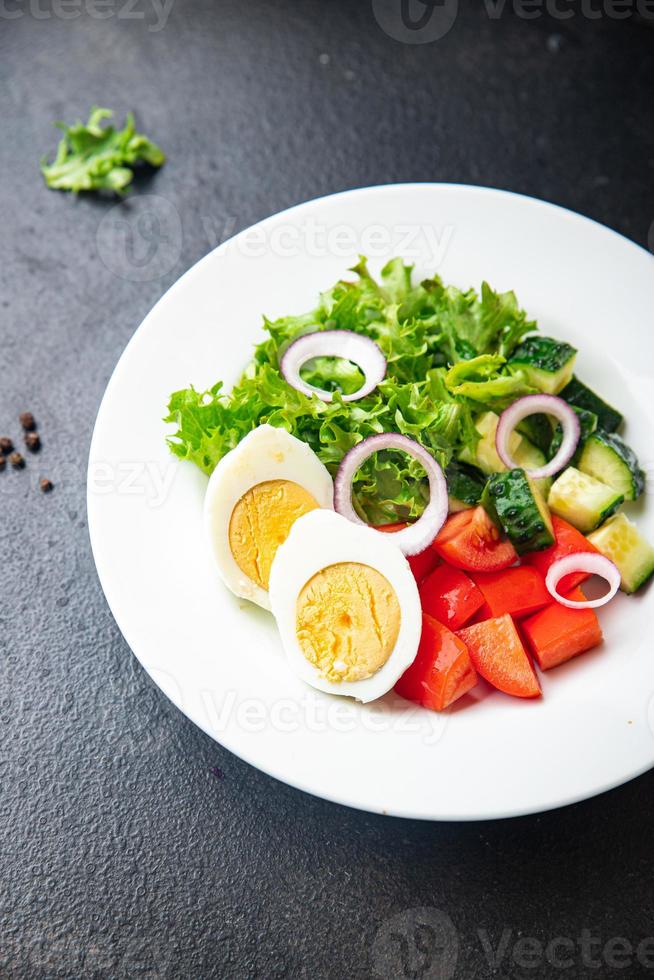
(132, 845)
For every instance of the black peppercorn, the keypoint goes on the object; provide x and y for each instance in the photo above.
(27, 421)
(3, 462)
(32, 441)
(6, 445)
(17, 461)
(46, 485)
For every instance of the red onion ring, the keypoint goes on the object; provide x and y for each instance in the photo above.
(416, 537)
(531, 405)
(362, 351)
(583, 561)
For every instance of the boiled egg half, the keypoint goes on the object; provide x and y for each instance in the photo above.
(255, 495)
(346, 604)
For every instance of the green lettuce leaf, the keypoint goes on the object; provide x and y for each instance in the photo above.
(94, 157)
(445, 349)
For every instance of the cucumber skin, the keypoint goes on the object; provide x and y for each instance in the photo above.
(626, 455)
(543, 353)
(538, 430)
(509, 500)
(464, 483)
(588, 423)
(576, 393)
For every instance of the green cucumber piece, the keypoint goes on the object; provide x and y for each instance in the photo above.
(514, 502)
(576, 393)
(547, 363)
(606, 457)
(485, 456)
(529, 457)
(538, 429)
(582, 500)
(524, 453)
(620, 540)
(465, 485)
(587, 425)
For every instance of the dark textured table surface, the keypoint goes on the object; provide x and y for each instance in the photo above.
(132, 845)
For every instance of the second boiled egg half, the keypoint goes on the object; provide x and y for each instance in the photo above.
(346, 604)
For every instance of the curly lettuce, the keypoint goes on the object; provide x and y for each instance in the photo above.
(95, 157)
(445, 349)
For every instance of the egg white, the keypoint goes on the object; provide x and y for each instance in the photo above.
(322, 538)
(266, 453)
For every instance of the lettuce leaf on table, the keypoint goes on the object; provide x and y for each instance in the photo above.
(94, 157)
(445, 349)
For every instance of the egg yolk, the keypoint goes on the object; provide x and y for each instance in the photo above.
(261, 521)
(347, 621)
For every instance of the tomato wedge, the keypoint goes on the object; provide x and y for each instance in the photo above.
(442, 671)
(469, 540)
(497, 653)
(451, 597)
(422, 564)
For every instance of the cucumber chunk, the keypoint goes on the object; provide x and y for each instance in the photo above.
(465, 485)
(524, 453)
(606, 457)
(538, 429)
(514, 502)
(547, 363)
(587, 424)
(620, 540)
(582, 500)
(576, 393)
(485, 456)
(529, 457)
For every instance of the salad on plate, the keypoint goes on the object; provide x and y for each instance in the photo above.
(417, 485)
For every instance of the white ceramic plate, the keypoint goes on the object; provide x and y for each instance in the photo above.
(220, 660)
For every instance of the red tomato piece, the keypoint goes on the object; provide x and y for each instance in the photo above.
(498, 655)
(568, 541)
(422, 564)
(450, 596)
(518, 591)
(557, 634)
(442, 671)
(469, 540)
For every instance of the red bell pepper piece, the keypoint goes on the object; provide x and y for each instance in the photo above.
(518, 591)
(422, 564)
(568, 540)
(442, 671)
(557, 633)
(450, 596)
(497, 653)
